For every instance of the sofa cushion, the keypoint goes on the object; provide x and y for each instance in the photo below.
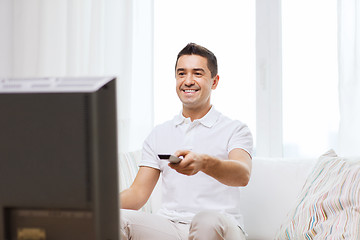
(328, 206)
(272, 191)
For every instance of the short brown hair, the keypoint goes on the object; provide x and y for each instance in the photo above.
(195, 49)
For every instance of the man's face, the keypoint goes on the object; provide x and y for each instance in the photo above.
(194, 82)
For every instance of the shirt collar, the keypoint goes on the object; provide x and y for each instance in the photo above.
(208, 120)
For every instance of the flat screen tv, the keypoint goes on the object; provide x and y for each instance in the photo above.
(58, 159)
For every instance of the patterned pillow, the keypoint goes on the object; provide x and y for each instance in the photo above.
(329, 204)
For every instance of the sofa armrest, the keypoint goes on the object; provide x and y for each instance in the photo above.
(128, 168)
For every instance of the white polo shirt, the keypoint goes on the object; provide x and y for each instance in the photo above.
(184, 196)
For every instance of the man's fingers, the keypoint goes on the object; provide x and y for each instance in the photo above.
(183, 153)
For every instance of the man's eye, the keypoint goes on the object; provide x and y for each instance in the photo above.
(181, 74)
(198, 73)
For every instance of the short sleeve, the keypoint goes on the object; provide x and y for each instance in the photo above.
(241, 138)
(149, 157)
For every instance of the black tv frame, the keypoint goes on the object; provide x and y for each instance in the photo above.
(58, 159)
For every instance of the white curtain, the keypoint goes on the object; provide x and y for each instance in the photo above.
(41, 38)
(349, 76)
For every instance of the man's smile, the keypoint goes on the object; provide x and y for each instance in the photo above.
(190, 90)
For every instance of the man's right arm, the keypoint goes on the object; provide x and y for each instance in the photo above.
(139, 192)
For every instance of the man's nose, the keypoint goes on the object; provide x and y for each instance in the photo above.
(189, 80)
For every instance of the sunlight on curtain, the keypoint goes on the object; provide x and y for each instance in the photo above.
(310, 77)
(227, 28)
(349, 76)
(6, 39)
(83, 38)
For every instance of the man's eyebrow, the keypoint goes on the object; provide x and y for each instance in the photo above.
(198, 69)
(194, 70)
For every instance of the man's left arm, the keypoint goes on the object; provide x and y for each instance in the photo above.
(234, 171)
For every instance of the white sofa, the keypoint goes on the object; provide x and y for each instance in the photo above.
(269, 196)
(295, 199)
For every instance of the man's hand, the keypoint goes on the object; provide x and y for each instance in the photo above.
(191, 164)
(234, 171)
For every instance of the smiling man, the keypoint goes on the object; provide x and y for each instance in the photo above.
(201, 193)
(194, 83)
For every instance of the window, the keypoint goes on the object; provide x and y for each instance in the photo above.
(310, 77)
(296, 106)
(225, 27)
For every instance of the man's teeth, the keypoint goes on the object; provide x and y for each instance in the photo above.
(189, 90)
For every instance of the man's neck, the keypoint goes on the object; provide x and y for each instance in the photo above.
(195, 113)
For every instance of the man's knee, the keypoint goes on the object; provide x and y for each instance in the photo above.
(207, 225)
(140, 225)
(208, 218)
(125, 222)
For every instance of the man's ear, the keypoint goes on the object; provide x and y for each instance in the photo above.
(215, 82)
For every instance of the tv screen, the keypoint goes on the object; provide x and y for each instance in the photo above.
(58, 159)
